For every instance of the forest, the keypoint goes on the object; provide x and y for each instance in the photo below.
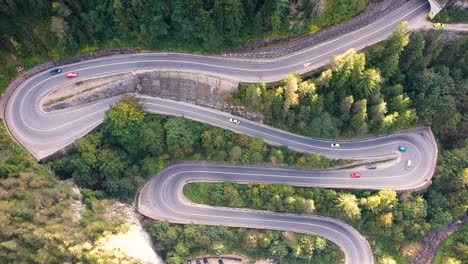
(179, 242)
(405, 81)
(133, 146)
(52, 30)
(424, 85)
(35, 31)
(40, 216)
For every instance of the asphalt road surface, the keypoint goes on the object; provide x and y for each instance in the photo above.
(44, 133)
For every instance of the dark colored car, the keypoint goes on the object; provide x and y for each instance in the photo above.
(198, 261)
(220, 261)
(205, 261)
(55, 71)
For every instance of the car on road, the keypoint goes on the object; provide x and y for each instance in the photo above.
(198, 261)
(371, 166)
(438, 25)
(355, 175)
(55, 71)
(189, 261)
(205, 261)
(402, 148)
(234, 121)
(408, 163)
(335, 145)
(72, 75)
(220, 261)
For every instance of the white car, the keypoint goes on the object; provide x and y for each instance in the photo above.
(234, 121)
(408, 163)
(335, 145)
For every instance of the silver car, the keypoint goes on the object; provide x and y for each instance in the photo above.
(234, 121)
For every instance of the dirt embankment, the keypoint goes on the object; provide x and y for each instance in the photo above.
(433, 240)
(189, 87)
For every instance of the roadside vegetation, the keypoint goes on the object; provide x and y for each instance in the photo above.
(179, 242)
(454, 250)
(133, 146)
(424, 82)
(452, 14)
(405, 81)
(39, 31)
(399, 83)
(394, 223)
(42, 219)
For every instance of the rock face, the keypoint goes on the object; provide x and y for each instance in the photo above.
(193, 88)
(188, 87)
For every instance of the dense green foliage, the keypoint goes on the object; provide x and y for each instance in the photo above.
(39, 216)
(424, 82)
(7, 70)
(53, 29)
(38, 30)
(394, 224)
(133, 146)
(452, 14)
(401, 82)
(408, 80)
(182, 242)
(454, 250)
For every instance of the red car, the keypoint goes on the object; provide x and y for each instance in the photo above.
(355, 175)
(71, 75)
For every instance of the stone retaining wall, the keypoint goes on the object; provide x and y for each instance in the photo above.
(193, 88)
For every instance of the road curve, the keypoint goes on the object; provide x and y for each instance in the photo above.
(44, 133)
(162, 198)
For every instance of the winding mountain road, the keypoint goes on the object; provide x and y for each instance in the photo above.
(44, 133)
